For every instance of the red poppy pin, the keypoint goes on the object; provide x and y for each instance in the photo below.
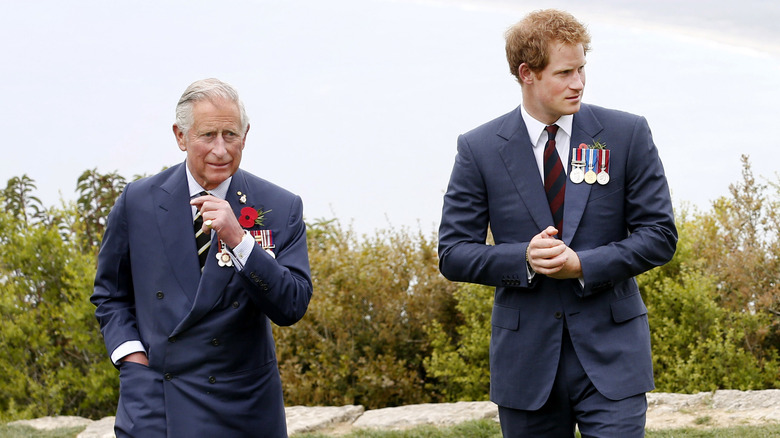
(250, 217)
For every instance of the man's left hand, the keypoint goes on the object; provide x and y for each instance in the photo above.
(551, 257)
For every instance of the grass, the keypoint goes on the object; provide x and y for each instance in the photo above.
(469, 429)
(29, 432)
(490, 429)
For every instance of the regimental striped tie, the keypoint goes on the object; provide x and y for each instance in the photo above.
(554, 179)
(202, 240)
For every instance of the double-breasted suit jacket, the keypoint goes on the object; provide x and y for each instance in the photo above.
(618, 230)
(212, 365)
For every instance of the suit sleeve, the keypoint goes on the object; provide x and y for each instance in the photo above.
(463, 253)
(648, 217)
(113, 291)
(282, 286)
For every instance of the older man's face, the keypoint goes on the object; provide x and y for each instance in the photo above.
(214, 143)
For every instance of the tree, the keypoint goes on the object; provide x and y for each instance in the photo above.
(53, 359)
(18, 199)
(97, 195)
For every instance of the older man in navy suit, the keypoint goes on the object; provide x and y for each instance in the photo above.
(577, 202)
(195, 263)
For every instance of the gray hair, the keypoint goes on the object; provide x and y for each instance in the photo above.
(207, 89)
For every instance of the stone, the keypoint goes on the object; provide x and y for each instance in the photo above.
(442, 414)
(309, 419)
(51, 423)
(103, 428)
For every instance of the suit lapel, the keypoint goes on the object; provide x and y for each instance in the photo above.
(518, 156)
(174, 219)
(584, 130)
(215, 278)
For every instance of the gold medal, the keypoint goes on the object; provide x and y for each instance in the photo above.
(590, 177)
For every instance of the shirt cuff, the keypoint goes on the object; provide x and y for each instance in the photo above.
(126, 348)
(240, 254)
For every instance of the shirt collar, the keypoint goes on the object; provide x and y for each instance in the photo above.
(220, 191)
(536, 128)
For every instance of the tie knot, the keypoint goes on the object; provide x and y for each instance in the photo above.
(551, 131)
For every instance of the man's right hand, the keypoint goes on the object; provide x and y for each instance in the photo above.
(551, 257)
(137, 357)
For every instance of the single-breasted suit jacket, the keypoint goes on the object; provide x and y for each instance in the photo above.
(212, 365)
(618, 230)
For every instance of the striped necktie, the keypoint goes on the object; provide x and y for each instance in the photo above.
(554, 179)
(202, 240)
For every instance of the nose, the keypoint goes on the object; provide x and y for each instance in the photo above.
(219, 147)
(578, 81)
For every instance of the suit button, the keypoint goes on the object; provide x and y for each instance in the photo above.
(235, 304)
(215, 342)
(212, 379)
(168, 376)
(160, 295)
(558, 315)
(172, 339)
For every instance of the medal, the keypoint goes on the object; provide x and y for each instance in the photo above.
(591, 157)
(577, 165)
(577, 175)
(223, 258)
(603, 176)
(264, 238)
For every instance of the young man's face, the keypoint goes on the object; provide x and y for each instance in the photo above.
(556, 90)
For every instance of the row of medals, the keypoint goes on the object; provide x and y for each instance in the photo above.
(578, 173)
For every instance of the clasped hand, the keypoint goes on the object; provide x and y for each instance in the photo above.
(553, 258)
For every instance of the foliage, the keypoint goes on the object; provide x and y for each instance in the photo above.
(742, 246)
(711, 309)
(97, 195)
(698, 345)
(18, 198)
(363, 339)
(53, 360)
(459, 368)
(384, 328)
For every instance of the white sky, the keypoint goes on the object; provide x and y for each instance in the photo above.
(356, 104)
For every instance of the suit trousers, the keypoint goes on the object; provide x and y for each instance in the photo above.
(574, 400)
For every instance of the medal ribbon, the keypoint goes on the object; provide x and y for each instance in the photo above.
(591, 157)
(603, 161)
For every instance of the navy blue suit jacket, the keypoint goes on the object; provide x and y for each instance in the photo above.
(212, 365)
(618, 230)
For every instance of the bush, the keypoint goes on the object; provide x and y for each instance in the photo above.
(363, 338)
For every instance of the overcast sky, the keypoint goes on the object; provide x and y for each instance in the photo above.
(356, 104)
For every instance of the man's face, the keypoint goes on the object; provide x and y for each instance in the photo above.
(214, 142)
(556, 90)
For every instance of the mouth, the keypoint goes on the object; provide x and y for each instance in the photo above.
(219, 165)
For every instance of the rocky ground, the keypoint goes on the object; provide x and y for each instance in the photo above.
(665, 411)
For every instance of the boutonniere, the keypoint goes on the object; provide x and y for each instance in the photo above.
(590, 163)
(596, 145)
(250, 217)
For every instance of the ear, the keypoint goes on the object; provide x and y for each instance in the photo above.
(243, 140)
(525, 75)
(179, 134)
